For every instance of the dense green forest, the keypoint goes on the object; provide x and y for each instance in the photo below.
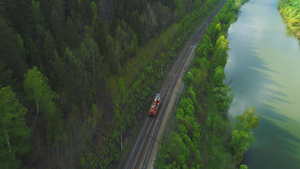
(75, 74)
(289, 9)
(202, 135)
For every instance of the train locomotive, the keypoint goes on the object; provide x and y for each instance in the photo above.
(154, 106)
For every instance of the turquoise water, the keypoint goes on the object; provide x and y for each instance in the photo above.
(263, 71)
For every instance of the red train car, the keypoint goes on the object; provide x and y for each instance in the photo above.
(154, 106)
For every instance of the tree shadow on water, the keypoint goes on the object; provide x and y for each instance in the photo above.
(251, 80)
(275, 146)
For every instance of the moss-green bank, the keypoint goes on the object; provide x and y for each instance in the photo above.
(289, 9)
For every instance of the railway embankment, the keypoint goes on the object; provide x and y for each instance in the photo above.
(150, 134)
(202, 136)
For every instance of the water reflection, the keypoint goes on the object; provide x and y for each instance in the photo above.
(262, 71)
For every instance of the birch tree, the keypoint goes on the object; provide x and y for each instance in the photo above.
(39, 92)
(14, 133)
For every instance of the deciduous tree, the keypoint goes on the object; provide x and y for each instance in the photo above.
(242, 137)
(248, 120)
(220, 54)
(240, 141)
(14, 133)
(39, 92)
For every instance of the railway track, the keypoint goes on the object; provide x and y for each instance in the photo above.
(142, 150)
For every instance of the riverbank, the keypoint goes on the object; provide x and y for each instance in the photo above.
(202, 135)
(289, 9)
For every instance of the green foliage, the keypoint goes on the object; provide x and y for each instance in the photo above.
(248, 120)
(91, 58)
(101, 57)
(240, 141)
(220, 52)
(179, 6)
(35, 5)
(10, 50)
(223, 98)
(221, 91)
(113, 55)
(94, 8)
(219, 75)
(177, 149)
(242, 137)
(39, 93)
(5, 75)
(14, 134)
(243, 166)
(71, 35)
(201, 122)
(89, 162)
(289, 9)
(188, 78)
(49, 46)
(57, 22)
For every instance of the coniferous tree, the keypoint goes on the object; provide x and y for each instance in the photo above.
(71, 35)
(86, 66)
(113, 55)
(49, 49)
(57, 26)
(6, 78)
(99, 33)
(91, 56)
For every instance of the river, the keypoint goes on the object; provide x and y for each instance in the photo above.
(263, 71)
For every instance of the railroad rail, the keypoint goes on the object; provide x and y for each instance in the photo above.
(166, 92)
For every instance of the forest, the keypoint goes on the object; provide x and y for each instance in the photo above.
(76, 74)
(289, 9)
(203, 136)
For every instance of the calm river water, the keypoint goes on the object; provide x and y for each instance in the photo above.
(263, 71)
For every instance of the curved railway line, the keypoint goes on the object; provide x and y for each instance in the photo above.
(144, 142)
